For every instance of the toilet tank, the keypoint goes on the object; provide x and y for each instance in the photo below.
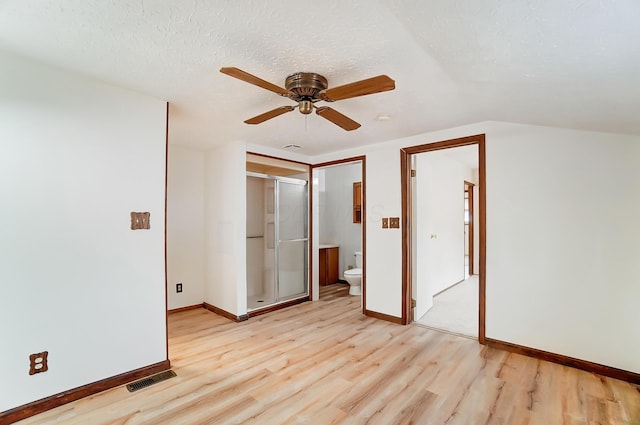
(358, 255)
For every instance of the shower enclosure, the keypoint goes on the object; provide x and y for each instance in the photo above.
(277, 240)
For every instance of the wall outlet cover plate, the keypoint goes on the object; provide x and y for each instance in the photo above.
(38, 363)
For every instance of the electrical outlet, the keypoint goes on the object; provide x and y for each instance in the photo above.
(38, 363)
(385, 223)
(178, 287)
(394, 222)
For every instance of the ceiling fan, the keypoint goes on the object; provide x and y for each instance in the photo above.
(307, 88)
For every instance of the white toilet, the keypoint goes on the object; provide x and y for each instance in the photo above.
(354, 276)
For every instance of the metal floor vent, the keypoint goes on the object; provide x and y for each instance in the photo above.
(143, 383)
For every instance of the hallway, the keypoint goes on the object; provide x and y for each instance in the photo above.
(455, 310)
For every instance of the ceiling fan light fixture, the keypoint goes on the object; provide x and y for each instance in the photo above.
(383, 117)
(305, 106)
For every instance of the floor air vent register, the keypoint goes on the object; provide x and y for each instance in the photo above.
(143, 383)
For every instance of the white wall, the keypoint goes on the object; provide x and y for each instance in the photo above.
(76, 157)
(336, 212)
(185, 224)
(439, 225)
(561, 237)
(225, 228)
(562, 242)
(384, 246)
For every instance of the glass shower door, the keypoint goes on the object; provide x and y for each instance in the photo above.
(292, 229)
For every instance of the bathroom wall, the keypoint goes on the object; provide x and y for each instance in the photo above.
(336, 211)
(76, 157)
(185, 224)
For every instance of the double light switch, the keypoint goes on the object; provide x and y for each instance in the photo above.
(390, 222)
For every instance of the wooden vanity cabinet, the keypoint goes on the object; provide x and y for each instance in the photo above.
(328, 266)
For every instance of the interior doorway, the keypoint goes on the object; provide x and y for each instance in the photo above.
(339, 220)
(424, 246)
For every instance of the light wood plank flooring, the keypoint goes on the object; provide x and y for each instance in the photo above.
(326, 363)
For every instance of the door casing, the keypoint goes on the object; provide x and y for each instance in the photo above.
(405, 175)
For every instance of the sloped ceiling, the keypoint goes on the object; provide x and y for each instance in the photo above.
(570, 63)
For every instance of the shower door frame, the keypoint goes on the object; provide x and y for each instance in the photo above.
(296, 298)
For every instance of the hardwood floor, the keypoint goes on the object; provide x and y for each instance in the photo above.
(325, 363)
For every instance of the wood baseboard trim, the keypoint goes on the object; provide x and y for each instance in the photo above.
(585, 365)
(225, 313)
(269, 309)
(382, 316)
(39, 406)
(186, 308)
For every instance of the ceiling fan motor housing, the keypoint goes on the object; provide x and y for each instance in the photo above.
(305, 85)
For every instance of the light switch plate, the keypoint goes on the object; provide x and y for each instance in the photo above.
(140, 220)
(385, 223)
(394, 222)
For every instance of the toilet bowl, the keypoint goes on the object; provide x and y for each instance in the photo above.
(354, 276)
(354, 279)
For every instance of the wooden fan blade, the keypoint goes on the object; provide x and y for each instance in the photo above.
(271, 114)
(359, 88)
(252, 79)
(337, 118)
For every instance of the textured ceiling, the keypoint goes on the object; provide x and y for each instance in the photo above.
(574, 63)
